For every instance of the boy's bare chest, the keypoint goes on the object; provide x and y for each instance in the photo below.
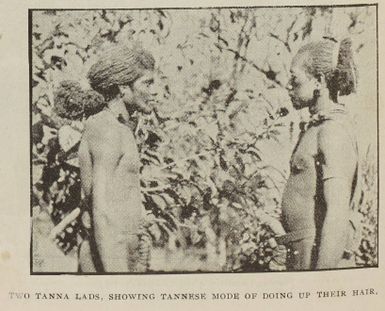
(129, 158)
(305, 155)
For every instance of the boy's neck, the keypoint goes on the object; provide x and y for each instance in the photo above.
(322, 103)
(118, 108)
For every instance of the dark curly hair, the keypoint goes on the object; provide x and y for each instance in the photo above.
(73, 103)
(67, 103)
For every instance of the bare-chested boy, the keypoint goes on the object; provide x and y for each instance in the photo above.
(317, 201)
(109, 160)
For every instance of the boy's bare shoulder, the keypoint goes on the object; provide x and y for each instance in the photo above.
(336, 138)
(100, 126)
(337, 128)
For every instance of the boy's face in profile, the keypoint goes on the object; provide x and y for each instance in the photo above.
(141, 94)
(302, 85)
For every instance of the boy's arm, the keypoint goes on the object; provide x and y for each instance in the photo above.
(110, 226)
(338, 161)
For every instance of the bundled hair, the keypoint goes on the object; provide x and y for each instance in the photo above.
(335, 61)
(73, 103)
(345, 75)
(119, 65)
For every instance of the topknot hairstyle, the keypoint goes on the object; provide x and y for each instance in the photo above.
(119, 65)
(73, 103)
(335, 61)
(67, 103)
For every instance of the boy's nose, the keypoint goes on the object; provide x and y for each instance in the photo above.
(289, 89)
(289, 86)
(154, 90)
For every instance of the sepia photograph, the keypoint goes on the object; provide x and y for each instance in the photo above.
(203, 140)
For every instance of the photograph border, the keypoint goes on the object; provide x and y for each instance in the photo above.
(30, 64)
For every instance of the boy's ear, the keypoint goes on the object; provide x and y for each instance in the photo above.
(321, 79)
(124, 90)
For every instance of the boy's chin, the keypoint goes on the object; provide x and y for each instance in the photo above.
(141, 108)
(145, 109)
(298, 104)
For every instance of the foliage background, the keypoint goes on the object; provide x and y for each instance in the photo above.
(215, 152)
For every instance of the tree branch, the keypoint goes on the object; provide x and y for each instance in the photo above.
(252, 64)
